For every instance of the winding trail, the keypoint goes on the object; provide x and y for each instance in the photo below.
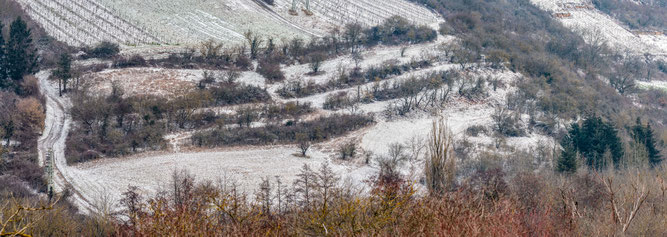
(57, 124)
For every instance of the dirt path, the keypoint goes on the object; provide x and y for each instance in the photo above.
(56, 128)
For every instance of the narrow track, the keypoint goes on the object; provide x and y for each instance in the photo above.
(56, 128)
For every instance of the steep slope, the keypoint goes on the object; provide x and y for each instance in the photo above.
(582, 17)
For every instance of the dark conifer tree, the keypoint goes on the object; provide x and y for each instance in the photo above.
(21, 54)
(644, 136)
(3, 65)
(64, 72)
(653, 153)
(567, 162)
(594, 139)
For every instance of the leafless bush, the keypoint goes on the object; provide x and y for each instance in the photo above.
(390, 164)
(271, 71)
(507, 123)
(476, 130)
(316, 60)
(347, 150)
(337, 101)
(210, 49)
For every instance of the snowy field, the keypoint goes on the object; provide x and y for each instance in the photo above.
(587, 20)
(105, 179)
(100, 182)
(246, 167)
(176, 22)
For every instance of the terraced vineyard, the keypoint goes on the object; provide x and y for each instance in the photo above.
(86, 22)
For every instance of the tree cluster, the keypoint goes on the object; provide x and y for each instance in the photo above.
(597, 143)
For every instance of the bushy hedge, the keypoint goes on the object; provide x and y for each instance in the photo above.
(321, 129)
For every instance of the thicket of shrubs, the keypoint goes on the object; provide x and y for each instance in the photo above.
(116, 125)
(247, 115)
(103, 50)
(22, 110)
(343, 78)
(521, 198)
(21, 124)
(421, 92)
(270, 55)
(490, 200)
(317, 130)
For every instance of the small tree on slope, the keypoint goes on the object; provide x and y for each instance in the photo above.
(644, 136)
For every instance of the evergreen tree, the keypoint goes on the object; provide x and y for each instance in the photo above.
(21, 54)
(3, 65)
(64, 71)
(644, 136)
(653, 153)
(567, 162)
(597, 142)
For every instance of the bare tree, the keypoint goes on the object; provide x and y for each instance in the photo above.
(639, 195)
(304, 185)
(254, 41)
(303, 143)
(184, 107)
(440, 166)
(316, 60)
(624, 79)
(264, 197)
(210, 49)
(595, 47)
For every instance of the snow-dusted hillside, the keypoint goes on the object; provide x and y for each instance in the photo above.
(85, 22)
(582, 17)
(105, 179)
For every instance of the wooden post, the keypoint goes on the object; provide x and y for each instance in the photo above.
(292, 11)
(49, 173)
(307, 10)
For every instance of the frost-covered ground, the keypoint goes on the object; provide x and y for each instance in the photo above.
(100, 182)
(168, 82)
(106, 179)
(138, 81)
(246, 166)
(86, 22)
(660, 85)
(587, 20)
